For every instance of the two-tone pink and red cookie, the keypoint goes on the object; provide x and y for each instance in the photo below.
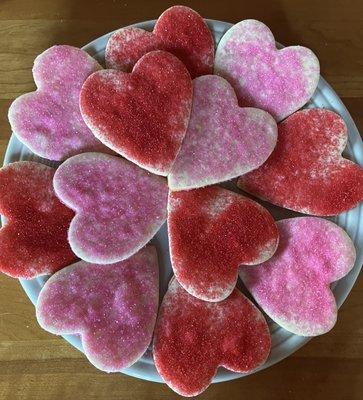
(193, 338)
(277, 81)
(223, 140)
(293, 287)
(112, 307)
(119, 207)
(212, 231)
(306, 171)
(142, 115)
(48, 121)
(179, 30)
(33, 240)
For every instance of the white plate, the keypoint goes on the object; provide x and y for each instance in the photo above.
(283, 342)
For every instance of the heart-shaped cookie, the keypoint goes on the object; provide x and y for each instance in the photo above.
(48, 120)
(33, 241)
(179, 30)
(142, 115)
(212, 231)
(306, 172)
(119, 207)
(112, 307)
(278, 81)
(193, 338)
(293, 287)
(222, 141)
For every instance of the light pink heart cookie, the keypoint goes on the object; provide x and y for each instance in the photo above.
(293, 287)
(179, 30)
(119, 207)
(222, 141)
(112, 307)
(278, 81)
(194, 337)
(49, 120)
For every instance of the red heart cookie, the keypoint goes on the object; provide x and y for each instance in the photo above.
(192, 338)
(306, 172)
(142, 115)
(212, 231)
(34, 240)
(179, 30)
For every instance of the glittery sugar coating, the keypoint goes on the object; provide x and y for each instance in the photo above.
(143, 115)
(112, 307)
(48, 120)
(278, 81)
(179, 30)
(212, 231)
(119, 207)
(33, 241)
(306, 172)
(222, 141)
(293, 286)
(193, 338)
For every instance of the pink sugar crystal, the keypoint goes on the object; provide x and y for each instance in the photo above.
(119, 207)
(112, 307)
(277, 81)
(293, 286)
(193, 338)
(223, 141)
(48, 120)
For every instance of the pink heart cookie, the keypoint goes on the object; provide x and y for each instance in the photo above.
(278, 81)
(179, 30)
(112, 307)
(33, 241)
(119, 207)
(213, 231)
(293, 287)
(193, 338)
(142, 115)
(48, 120)
(223, 141)
(306, 172)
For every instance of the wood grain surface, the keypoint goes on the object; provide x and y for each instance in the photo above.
(37, 365)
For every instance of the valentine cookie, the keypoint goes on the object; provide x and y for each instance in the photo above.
(193, 338)
(119, 207)
(278, 81)
(48, 121)
(142, 115)
(293, 287)
(112, 307)
(306, 172)
(223, 140)
(179, 30)
(212, 231)
(33, 241)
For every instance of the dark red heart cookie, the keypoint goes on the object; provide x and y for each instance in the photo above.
(34, 240)
(306, 172)
(142, 115)
(179, 30)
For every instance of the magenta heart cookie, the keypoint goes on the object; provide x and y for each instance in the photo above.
(142, 115)
(193, 338)
(48, 121)
(293, 287)
(278, 81)
(119, 207)
(306, 172)
(179, 30)
(33, 241)
(112, 307)
(222, 141)
(213, 231)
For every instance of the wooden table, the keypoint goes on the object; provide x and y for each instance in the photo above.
(37, 365)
